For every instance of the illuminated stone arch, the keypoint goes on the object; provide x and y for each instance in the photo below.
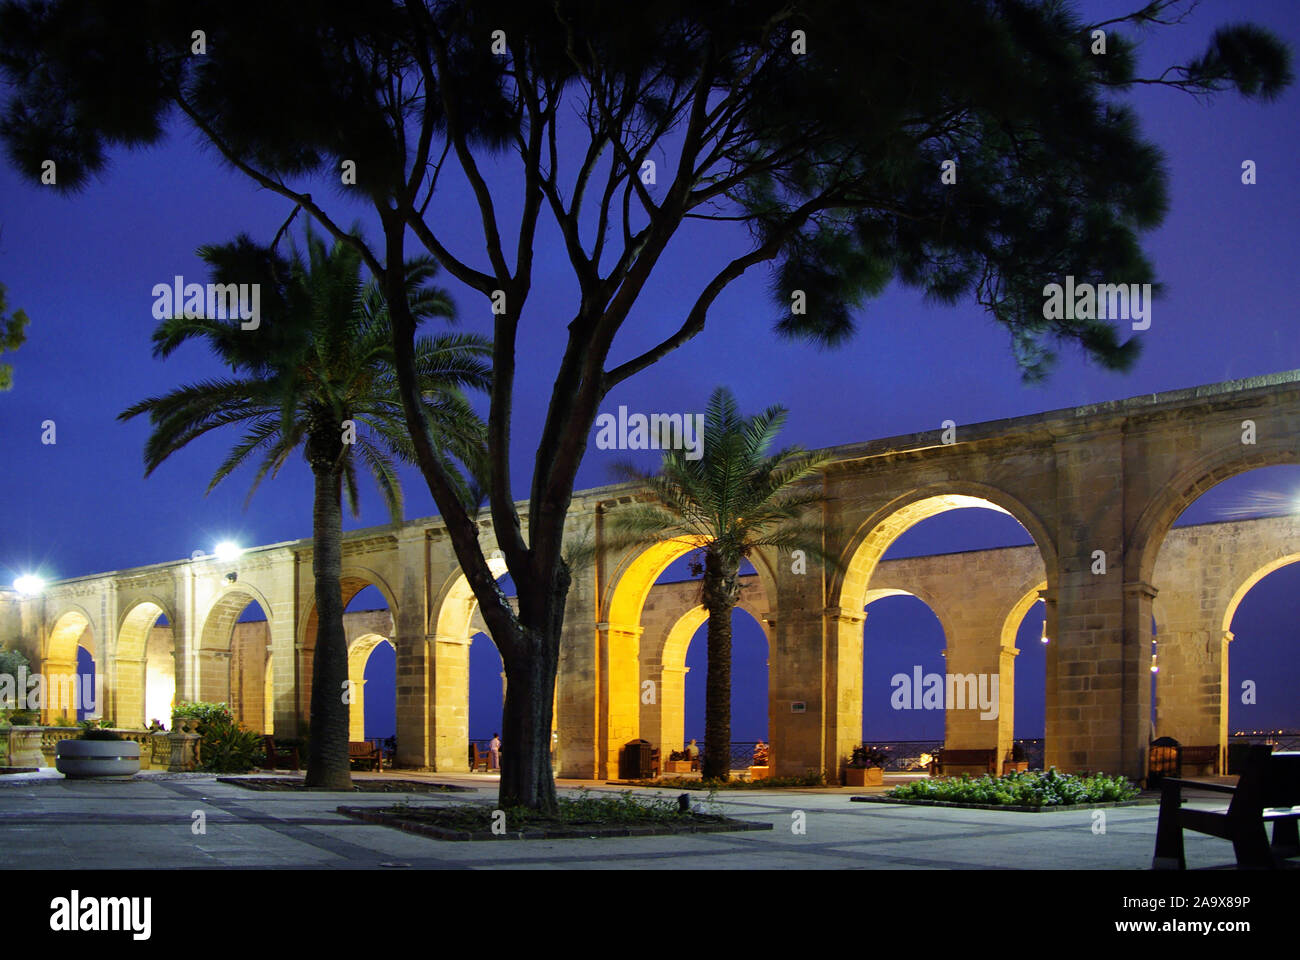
(359, 652)
(214, 653)
(1009, 650)
(454, 608)
(850, 588)
(1193, 653)
(664, 721)
(144, 679)
(1161, 512)
(354, 579)
(619, 635)
(59, 661)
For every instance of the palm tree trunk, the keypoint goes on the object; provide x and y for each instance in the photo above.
(327, 763)
(721, 591)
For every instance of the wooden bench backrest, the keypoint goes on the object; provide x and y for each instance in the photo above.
(966, 756)
(1267, 780)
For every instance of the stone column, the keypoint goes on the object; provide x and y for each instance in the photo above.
(415, 723)
(620, 692)
(357, 711)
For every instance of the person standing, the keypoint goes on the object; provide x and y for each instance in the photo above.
(494, 753)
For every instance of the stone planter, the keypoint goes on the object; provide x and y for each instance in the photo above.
(864, 776)
(759, 773)
(97, 758)
(677, 766)
(185, 725)
(1014, 766)
(25, 747)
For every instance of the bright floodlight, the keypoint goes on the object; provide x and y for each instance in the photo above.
(226, 551)
(29, 584)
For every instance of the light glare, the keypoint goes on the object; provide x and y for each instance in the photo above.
(226, 551)
(29, 584)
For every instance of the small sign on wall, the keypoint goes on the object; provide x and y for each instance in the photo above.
(798, 706)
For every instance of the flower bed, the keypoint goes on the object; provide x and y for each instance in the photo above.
(1033, 790)
(584, 817)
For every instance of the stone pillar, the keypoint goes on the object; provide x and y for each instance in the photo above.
(620, 693)
(127, 709)
(214, 675)
(449, 682)
(1191, 688)
(578, 684)
(414, 721)
(843, 709)
(357, 711)
(798, 719)
(1102, 671)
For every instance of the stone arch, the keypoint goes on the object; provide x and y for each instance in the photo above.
(354, 579)
(932, 602)
(619, 635)
(454, 610)
(215, 653)
(1234, 601)
(849, 589)
(665, 720)
(1173, 498)
(456, 603)
(132, 670)
(359, 652)
(1008, 651)
(59, 663)
(66, 629)
(874, 535)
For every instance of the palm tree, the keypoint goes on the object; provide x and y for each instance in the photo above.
(316, 372)
(735, 499)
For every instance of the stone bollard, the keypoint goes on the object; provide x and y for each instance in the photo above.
(185, 752)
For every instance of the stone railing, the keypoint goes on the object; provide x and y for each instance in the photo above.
(155, 750)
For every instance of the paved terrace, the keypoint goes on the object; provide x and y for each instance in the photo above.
(49, 822)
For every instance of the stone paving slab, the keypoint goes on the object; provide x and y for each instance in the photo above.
(49, 822)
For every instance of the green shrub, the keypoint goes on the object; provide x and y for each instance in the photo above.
(1030, 789)
(203, 712)
(92, 733)
(227, 747)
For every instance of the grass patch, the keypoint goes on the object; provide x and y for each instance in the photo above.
(683, 783)
(1029, 789)
(587, 815)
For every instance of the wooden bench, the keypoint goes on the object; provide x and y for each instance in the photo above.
(363, 751)
(1207, 756)
(478, 759)
(988, 759)
(279, 759)
(1268, 791)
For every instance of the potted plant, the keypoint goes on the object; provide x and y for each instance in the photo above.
(97, 753)
(758, 768)
(679, 761)
(1018, 762)
(25, 739)
(866, 767)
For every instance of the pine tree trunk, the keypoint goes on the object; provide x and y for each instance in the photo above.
(327, 764)
(721, 591)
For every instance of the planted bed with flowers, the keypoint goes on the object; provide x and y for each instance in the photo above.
(1031, 790)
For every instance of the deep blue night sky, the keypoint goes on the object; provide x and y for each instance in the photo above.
(83, 268)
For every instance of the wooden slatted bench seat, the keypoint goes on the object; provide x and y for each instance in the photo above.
(279, 759)
(988, 759)
(1268, 791)
(363, 751)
